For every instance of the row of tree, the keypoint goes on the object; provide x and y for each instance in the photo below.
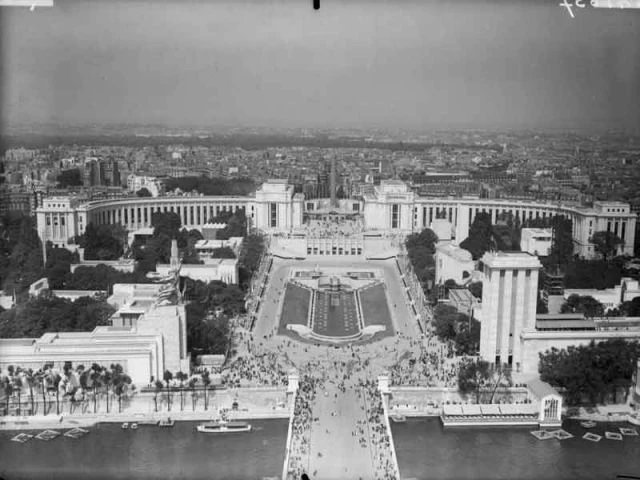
(596, 373)
(453, 326)
(181, 382)
(421, 248)
(76, 386)
(212, 186)
(47, 313)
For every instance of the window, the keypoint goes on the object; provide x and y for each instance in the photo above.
(395, 216)
(273, 214)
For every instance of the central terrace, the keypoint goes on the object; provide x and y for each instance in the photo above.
(335, 305)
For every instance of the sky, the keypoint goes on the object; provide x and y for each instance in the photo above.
(352, 64)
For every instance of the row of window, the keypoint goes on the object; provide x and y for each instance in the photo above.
(189, 215)
(334, 251)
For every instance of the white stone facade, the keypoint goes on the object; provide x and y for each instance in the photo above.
(275, 208)
(452, 262)
(536, 241)
(509, 297)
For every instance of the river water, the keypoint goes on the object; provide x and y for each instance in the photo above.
(426, 450)
(149, 452)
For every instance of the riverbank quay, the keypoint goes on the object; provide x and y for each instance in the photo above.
(239, 403)
(604, 413)
(37, 422)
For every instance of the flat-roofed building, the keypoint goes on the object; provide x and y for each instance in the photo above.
(509, 297)
(536, 241)
(452, 262)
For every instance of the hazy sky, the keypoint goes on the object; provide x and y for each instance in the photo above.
(399, 63)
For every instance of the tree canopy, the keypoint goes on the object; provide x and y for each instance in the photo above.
(20, 253)
(598, 274)
(451, 325)
(420, 250)
(593, 373)
(587, 305)
(212, 186)
(143, 192)
(481, 379)
(51, 314)
(606, 243)
(103, 242)
(480, 239)
(251, 252)
(70, 178)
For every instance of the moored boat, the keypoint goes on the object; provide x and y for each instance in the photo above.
(134, 426)
(224, 427)
(396, 418)
(588, 424)
(166, 423)
(125, 425)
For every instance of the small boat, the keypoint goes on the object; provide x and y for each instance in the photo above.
(76, 433)
(223, 427)
(398, 418)
(134, 426)
(592, 437)
(632, 432)
(612, 436)
(561, 434)
(22, 438)
(588, 424)
(47, 435)
(542, 434)
(125, 425)
(166, 423)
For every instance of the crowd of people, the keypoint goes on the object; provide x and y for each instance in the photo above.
(384, 464)
(432, 366)
(300, 446)
(266, 368)
(330, 229)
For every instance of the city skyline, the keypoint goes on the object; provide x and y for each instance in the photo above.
(356, 65)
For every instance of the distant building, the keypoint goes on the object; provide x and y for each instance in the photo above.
(452, 262)
(610, 298)
(536, 241)
(145, 338)
(137, 182)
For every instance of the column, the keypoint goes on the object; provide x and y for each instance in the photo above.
(518, 314)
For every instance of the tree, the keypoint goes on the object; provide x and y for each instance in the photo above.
(192, 389)
(445, 319)
(606, 243)
(31, 381)
(223, 252)
(143, 192)
(103, 242)
(158, 386)
(594, 372)
(181, 377)
(587, 305)
(107, 383)
(168, 376)
(96, 383)
(476, 289)
(206, 381)
(253, 248)
(473, 376)
(480, 239)
(70, 178)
